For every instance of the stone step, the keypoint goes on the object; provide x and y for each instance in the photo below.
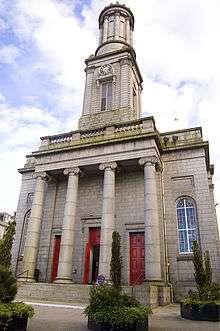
(77, 293)
(67, 293)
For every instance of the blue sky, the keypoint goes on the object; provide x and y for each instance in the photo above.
(43, 45)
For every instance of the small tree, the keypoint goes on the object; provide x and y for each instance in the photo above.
(8, 285)
(208, 268)
(6, 245)
(116, 261)
(199, 274)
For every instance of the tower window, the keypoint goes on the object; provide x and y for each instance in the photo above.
(106, 102)
(187, 224)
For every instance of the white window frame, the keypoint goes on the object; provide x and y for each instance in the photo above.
(187, 228)
(108, 102)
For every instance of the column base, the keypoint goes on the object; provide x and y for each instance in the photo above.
(63, 281)
(26, 279)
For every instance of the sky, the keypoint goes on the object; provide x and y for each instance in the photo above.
(43, 45)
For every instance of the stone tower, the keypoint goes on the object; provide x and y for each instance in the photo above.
(113, 80)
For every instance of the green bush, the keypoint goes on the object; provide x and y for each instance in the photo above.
(15, 309)
(116, 261)
(107, 305)
(6, 245)
(8, 285)
(207, 292)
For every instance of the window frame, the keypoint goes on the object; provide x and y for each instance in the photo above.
(26, 221)
(187, 228)
(107, 105)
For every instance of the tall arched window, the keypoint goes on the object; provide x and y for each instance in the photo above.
(24, 232)
(187, 224)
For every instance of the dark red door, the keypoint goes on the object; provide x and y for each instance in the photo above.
(92, 250)
(56, 253)
(137, 258)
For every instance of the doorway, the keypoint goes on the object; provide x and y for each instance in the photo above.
(92, 251)
(56, 254)
(137, 260)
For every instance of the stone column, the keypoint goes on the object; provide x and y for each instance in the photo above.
(108, 218)
(117, 26)
(34, 228)
(127, 22)
(65, 267)
(151, 219)
(105, 29)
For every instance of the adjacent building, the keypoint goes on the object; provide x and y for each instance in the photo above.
(116, 172)
(5, 219)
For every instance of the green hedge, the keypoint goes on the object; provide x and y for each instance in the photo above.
(107, 305)
(15, 309)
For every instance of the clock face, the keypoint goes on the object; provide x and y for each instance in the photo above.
(105, 69)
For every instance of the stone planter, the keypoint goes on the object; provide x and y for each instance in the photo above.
(16, 324)
(94, 326)
(209, 312)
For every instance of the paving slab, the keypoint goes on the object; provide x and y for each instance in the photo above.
(60, 317)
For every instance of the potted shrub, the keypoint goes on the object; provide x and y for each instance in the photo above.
(13, 315)
(204, 303)
(109, 308)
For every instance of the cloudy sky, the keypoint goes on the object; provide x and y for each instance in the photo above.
(43, 44)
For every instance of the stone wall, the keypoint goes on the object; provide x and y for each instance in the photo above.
(185, 174)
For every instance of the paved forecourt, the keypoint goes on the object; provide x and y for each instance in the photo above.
(51, 317)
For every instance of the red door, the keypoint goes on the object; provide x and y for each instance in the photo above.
(92, 255)
(137, 258)
(56, 253)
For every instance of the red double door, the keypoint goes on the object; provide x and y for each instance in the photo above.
(92, 256)
(137, 253)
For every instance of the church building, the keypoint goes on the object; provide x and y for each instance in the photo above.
(116, 172)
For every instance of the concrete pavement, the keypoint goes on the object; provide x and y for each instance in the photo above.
(50, 317)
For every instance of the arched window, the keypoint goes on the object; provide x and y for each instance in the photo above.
(187, 224)
(24, 232)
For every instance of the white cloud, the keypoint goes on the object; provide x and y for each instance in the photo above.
(8, 54)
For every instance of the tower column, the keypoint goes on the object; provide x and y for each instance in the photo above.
(117, 25)
(151, 219)
(64, 274)
(34, 228)
(105, 30)
(128, 31)
(108, 218)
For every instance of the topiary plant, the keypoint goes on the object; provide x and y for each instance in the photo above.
(8, 285)
(207, 291)
(116, 261)
(6, 245)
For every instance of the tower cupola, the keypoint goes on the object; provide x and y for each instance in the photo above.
(116, 25)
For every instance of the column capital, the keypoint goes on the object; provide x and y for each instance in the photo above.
(108, 165)
(150, 160)
(41, 174)
(75, 171)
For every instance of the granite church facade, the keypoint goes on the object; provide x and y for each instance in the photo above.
(116, 172)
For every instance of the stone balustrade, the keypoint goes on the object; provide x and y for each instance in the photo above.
(132, 128)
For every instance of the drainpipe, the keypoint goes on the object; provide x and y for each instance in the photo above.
(167, 277)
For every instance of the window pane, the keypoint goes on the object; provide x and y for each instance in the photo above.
(183, 247)
(181, 218)
(104, 90)
(191, 218)
(180, 203)
(189, 203)
(192, 236)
